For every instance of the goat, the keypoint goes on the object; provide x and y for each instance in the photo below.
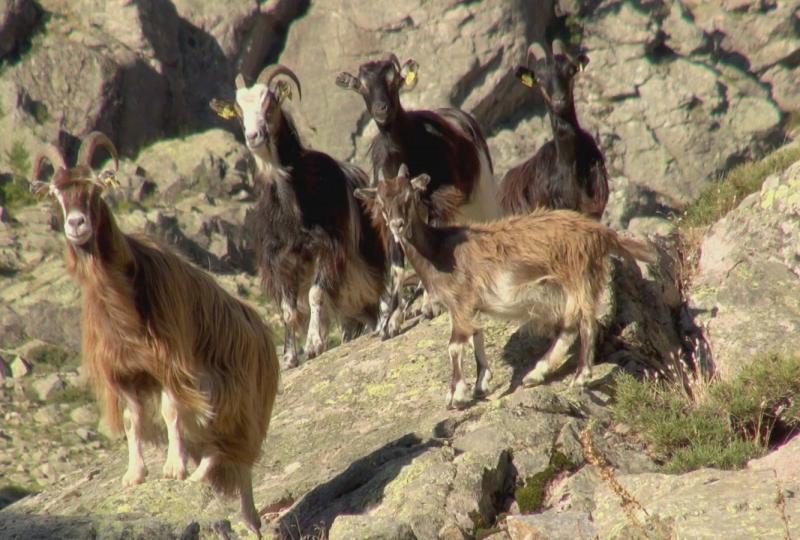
(313, 238)
(447, 144)
(568, 171)
(549, 265)
(154, 324)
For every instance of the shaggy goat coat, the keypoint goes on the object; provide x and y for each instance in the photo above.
(151, 320)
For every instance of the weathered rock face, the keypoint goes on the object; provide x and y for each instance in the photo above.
(382, 442)
(669, 104)
(135, 70)
(746, 289)
(467, 54)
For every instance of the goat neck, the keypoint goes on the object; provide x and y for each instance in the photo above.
(421, 245)
(565, 133)
(397, 126)
(282, 151)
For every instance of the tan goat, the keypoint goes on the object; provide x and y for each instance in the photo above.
(154, 325)
(549, 266)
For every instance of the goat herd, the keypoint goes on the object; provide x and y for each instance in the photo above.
(330, 242)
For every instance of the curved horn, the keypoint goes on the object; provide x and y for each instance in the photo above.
(90, 144)
(393, 59)
(51, 153)
(270, 72)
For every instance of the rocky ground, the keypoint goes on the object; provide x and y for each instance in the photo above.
(361, 445)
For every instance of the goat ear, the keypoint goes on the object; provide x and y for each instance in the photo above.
(365, 194)
(582, 60)
(224, 108)
(348, 82)
(420, 183)
(42, 189)
(525, 76)
(409, 75)
(283, 90)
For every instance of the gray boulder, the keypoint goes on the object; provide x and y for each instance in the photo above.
(745, 290)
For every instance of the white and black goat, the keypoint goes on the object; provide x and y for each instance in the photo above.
(317, 249)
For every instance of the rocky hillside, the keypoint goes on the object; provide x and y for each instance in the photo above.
(361, 445)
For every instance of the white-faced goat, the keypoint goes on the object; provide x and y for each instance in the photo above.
(446, 144)
(568, 171)
(315, 244)
(549, 266)
(155, 326)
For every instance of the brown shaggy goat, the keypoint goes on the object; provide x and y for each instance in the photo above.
(154, 325)
(549, 266)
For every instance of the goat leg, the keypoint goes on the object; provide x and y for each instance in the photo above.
(391, 316)
(247, 505)
(457, 396)
(588, 331)
(133, 418)
(317, 338)
(555, 356)
(291, 323)
(484, 374)
(175, 466)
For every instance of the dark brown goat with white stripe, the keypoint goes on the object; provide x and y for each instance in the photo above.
(317, 248)
(568, 171)
(446, 144)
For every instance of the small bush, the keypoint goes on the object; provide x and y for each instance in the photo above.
(14, 189)
(732, 422)
(721, 197)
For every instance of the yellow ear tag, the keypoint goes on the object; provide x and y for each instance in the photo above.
(109, 179)
(527, 80)
(223, 109)
(411, 77)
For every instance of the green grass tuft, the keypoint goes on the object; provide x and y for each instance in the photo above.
(721, 197)
(19, 158)
(74, 395)
(14, 188)
(732, 422)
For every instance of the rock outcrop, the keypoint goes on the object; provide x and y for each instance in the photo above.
(747, 284)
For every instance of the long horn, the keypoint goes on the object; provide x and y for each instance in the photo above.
(559, 48)
(51, 153)
(90, 143)
(536, 51)
(240, 81)
(270, 72)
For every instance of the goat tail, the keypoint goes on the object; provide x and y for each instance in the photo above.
(634, 250)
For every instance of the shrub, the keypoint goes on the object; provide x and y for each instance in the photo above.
(730, 423)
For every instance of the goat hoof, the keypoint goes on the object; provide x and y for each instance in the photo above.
(533, 379)
(290, 362)
(176, 471)
(133, 478)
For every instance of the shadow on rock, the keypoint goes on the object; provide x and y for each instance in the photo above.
(355, 489)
